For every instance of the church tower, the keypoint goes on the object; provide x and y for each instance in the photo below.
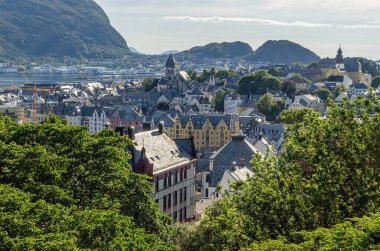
(339, 60)
(170, 67)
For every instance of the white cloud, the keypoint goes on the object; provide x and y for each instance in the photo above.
(216, 19)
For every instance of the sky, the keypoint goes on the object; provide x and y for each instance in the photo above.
(155, 26)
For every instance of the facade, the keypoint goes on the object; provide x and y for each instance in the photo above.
(313, 102)
(234, 174)
(232, 102)
(96, 118)
(17, 113)
(172, 169)
(210, 132)
(237, 150)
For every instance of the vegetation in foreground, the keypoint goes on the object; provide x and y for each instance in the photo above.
(64, 189)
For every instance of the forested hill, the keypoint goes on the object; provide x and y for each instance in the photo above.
(57, 28)
(283, 51)
(219, 50)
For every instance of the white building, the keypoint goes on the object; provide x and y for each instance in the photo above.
(232, 102)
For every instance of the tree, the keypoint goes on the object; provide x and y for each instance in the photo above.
(269, 107)
(163, 106)
(193, 75)
(274, 72)
(324, 94)
(326, 172)
(289, 87)
(62, 186)
(258, 83)
(376, 82)
(148, 84)
(218, 101)
(226, 74)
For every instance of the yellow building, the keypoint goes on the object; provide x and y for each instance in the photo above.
(18, 113)
(210, 132)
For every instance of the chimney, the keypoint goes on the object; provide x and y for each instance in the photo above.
(233, 166)
(242, 162)
(131, 132)
(120, 130)
(161, 127)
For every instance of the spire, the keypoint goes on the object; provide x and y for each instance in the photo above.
(339, 57)
(170, 63)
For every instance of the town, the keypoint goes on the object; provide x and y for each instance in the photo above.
(195, 130)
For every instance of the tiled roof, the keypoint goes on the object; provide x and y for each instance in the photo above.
(235, 150)
(162, 151)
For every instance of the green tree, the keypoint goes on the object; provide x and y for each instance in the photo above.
(218, 101)
(148, 84)
(269, 107)
(376, 82)
(326, 172)
(289, 87)
(324, 94)
(258, 83)
(274, 72)
(193, 75)
(64, 173)
(226, 74)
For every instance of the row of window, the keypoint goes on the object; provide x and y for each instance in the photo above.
(171, 178)
(167, 200)
(182, 215)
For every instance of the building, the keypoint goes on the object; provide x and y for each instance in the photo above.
(210, 132)
(17, 113)
(173, 79)
(313, 102)
(237, 150)
(234, 174)
(171, 165)
(232, 102)
(96, 118)
(359, 89)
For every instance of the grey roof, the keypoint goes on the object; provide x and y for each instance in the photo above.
(195, 92)
(161, 151)
(170, 62)
(333, 78)
(187, 145)
(238, 148)
(89, 111)
(359, 86)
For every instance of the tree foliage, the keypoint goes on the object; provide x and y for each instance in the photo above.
(376, 82)
(62, 187)
(328, 171)
(354, 234)
(269, 107)
(258, 83)
(218, 101)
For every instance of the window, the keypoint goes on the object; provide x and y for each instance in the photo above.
(166, 181)
(170, 179)
(185, 194)
(181, 175)
(185, 174)
(180, 215)
(175, 216)
(175, 198)
(157, 184)
(176, 177)
(206, 195)
(169, 201)
(164, 208)
(207, 178)
(184, 214)
(180, 195)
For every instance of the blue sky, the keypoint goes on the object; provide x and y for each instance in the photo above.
(154, 26)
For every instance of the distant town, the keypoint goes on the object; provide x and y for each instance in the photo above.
(209, 117)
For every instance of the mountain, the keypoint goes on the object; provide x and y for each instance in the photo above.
(57, 28)
(219, 50)
(170, 52)
(283, 51)
(134, 50)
